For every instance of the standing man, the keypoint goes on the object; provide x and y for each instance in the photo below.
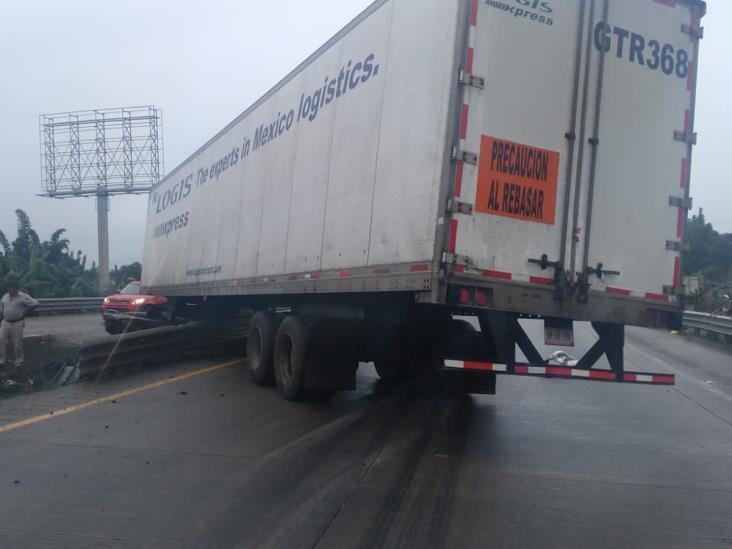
(15, 306)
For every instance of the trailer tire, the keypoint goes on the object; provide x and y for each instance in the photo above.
(260, 348)
(290, 351)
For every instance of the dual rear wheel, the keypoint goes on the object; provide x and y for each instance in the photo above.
(310, 359)
(279, 353)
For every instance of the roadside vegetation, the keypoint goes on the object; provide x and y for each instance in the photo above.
(50, 268)
(709, 260)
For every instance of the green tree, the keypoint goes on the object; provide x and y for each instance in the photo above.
(50, 268)
(121, 276)
(710, 253)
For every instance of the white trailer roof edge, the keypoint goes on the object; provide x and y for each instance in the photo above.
(274, 89)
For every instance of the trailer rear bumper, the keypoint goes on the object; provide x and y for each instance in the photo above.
(540, 297)
(563, 372)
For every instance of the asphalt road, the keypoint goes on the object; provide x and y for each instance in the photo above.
(148, 459)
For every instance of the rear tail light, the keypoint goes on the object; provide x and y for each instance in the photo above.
(465, 297)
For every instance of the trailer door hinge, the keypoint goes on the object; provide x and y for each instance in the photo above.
(454, 259)
(464, 156)
(674, 246)
(455, 206)
(686, 137)
(694, 32)
(601, 271)
(681, 202)
(545, 263)
(471, 80)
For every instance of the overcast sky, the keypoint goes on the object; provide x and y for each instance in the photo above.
(203, 63)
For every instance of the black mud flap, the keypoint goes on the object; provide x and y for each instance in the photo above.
(331, 359)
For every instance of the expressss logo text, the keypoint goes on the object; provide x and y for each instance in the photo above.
(536, 11)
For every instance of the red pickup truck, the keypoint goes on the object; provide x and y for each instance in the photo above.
(129, 308)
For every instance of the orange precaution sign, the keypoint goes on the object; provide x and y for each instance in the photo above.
(517, 181)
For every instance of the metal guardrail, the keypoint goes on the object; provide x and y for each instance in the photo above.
(714, 324)
(70, 305)
(146, 345)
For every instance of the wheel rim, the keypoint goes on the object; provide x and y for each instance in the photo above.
(288, 358)
(256, 350)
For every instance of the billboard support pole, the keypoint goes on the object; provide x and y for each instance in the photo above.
(103, 238)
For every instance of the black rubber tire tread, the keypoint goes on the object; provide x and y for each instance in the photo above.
(321, 395)
(291, 331)
(261, 360)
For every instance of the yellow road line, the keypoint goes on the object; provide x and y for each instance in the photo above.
(116, 396)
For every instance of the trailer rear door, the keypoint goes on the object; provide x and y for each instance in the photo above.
(518, 126)
(638, 151)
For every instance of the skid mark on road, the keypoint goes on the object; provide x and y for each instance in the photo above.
(116, 396)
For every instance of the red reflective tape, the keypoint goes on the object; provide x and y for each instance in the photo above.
(541, 280)
(469, 61)
(521, 370)
(669, 3)
(687, 116)
(498, 274)
(315, 276)
(459, 179)
(664, 379)
(458, 269)
(649, 379)
(453, 236)
(618, 291)
(560, 371)
(677, 272)
(680, 222)
(292, 277)
(684, 172)
(382, 271)
(657, 297)
(482, 366)
(464, 122)
(695, 23)
(602, 374)
(422, 268)
(474, 13)
(345, 274)
(690, 76)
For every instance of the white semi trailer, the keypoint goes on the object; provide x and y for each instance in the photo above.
(504, 159)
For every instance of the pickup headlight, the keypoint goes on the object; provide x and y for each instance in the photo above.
(138, 301)
(107, 300)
